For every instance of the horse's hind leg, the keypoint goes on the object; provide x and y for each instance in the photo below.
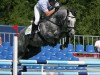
(22, 57)
(22, 52)
(19, 64)
(30, 51)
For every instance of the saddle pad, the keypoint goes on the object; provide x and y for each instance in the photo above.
(28, 30)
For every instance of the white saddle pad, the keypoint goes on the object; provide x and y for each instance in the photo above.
(28, 30)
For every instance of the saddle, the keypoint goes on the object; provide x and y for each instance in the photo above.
(29, 28)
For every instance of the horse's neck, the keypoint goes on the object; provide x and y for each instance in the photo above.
(57, 17)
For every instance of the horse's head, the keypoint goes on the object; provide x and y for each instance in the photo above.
(65, 19)
(71, 22)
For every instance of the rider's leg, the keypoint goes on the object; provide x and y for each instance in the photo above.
(37, 18)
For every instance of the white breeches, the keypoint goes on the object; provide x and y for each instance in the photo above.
(36, 14)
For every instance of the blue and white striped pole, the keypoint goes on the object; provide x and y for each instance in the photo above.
(63, 73)
(9, 62)
(59, 62)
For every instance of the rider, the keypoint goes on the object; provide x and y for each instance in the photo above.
(42, 7)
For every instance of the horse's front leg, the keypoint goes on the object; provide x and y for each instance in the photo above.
(65, 43)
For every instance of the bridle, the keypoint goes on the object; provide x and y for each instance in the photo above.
(69, 27)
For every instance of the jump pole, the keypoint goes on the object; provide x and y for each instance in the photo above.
(15, 55)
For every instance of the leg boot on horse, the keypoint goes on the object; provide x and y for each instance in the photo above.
(34, 29)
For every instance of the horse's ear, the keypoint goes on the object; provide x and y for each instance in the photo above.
(73, 11)
(33, 18)
(67, 11)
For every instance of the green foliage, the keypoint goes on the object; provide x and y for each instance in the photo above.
(21, 12)
(16, 11)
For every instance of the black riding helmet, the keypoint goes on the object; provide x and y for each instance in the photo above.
(54, 1)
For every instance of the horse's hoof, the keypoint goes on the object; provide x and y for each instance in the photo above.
(24, 69)
(62, 47)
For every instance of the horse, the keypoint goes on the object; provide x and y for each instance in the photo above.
(50, 31)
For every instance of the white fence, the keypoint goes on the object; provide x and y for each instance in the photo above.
(85, 39)
(7, 37)
(78, 39)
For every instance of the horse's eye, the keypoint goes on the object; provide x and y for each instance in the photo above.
(68, 21)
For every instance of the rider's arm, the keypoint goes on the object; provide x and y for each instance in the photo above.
(49, 13)
(44, 8)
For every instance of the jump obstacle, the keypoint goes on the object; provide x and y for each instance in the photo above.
(15, 64)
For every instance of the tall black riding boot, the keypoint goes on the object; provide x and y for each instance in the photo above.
(34, 29)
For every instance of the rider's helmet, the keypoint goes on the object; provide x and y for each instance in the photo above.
(52, 1)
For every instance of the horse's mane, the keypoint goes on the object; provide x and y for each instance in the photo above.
(63, 7)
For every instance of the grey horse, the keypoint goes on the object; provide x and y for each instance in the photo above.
(51, 30)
